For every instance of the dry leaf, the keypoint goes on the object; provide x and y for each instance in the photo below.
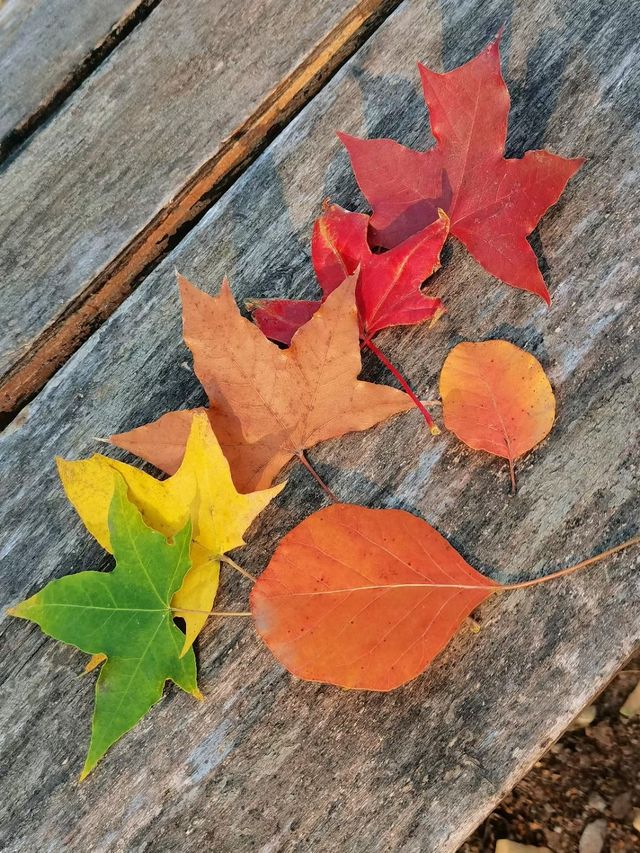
(363, 598)
(269, 404)
(584, 719)
(631, 705)
(388, 292)
(496, 397)
(201, 490)
(493, 203)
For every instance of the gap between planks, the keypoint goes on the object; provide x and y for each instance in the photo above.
(133, 17)
(83, 315)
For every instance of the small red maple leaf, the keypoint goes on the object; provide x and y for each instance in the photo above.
(388, 291)
(493, 203)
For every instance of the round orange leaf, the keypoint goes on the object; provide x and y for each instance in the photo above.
(496, 397)
(363, 598)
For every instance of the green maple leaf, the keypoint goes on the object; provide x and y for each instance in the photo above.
(125, 615)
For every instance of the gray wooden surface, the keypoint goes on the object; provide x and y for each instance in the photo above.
(97, 192)
(42, 45)
(268, 763)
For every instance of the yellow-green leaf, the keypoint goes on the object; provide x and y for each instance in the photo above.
(124, 616)
(201, 490)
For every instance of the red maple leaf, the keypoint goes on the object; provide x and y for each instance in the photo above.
(388, 291)
(493, 203)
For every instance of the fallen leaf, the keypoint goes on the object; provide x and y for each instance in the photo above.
(201, 490)
(268, 404)
(493, 203)
(631, 707)
(496, 397)
(584, 719)
(363, 598)
(388, 290)
(280, 319)
(124, 614)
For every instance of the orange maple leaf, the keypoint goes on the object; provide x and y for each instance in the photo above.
(269, 404)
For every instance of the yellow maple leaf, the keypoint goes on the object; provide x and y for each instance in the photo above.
(201, 489)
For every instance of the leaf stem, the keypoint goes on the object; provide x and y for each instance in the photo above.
(367, 342)
(512, 474)
(304, 461)
(578, 566)
(178, 610)
(497, 589)
(234, 565)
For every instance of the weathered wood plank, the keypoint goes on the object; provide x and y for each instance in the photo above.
(47, 47)
(138, 152)
(268, 763)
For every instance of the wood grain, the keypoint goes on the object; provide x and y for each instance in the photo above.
(140, 151)
(269, 763)
(47, 47)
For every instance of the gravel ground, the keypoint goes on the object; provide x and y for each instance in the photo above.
(590, 776)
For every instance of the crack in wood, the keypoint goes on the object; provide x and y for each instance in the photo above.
(19, 135)
(83, 315)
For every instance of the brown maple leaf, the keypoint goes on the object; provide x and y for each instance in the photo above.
(269, 404)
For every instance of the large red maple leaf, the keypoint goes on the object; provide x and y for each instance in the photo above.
(388, 292)
(493, 203)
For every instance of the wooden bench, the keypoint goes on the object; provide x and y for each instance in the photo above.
(89, 206)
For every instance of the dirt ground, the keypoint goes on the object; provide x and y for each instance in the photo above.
(589, 775)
